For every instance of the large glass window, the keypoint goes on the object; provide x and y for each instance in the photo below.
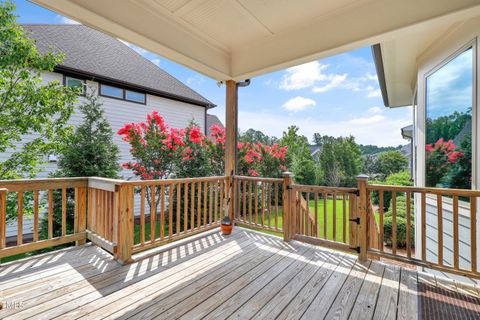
(449, 104)
(134, 96)
(111, 91)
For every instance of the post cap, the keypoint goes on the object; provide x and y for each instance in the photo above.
(362, 176)
(288, 173)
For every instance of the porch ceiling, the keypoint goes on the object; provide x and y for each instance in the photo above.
(238, 39)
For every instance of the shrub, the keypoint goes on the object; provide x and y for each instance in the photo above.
(396, 179)
(401, 232)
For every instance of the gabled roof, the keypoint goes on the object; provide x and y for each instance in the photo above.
(212, 120)
(98, 55)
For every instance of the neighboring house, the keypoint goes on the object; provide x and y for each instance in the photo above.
(437, 73)
(211, 121)
(130, 86)
(407, 150)
(315, 152)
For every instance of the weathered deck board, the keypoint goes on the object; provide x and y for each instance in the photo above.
(246, 275)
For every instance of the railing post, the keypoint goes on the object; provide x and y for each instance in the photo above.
(362, 182)
(81, 212)
(3, 218)
(124, 198)
(287, 207)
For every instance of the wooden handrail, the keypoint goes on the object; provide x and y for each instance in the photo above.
(435, 191)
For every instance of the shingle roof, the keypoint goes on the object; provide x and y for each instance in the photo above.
(94, 53)
(212, 120)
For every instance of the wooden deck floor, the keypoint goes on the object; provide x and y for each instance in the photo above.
(245, 275)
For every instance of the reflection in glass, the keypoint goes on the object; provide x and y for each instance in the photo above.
(449, 102)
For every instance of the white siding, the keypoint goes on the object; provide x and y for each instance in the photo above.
(119, 112)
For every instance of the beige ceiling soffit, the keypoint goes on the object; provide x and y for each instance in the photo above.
(161, 11)
(359, 26)
(89, 18)
(252, 18)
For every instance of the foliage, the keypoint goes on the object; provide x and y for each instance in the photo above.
(402, 178)
(340, 160)
(441, 157)
(460, 175)
(91, 150)
(401, 232)
(28, 106)
(446, 127)
(298, 159)
(372, 149)
(253, 136)
(390, 162)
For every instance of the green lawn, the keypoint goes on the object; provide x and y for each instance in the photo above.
(338, 219)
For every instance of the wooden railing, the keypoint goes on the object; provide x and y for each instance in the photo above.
(258, 202)
(42, 202)
(447, 240)
(329, 218)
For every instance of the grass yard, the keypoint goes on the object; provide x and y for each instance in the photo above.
(321, 221)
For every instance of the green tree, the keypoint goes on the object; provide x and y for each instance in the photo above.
(298, 159)
(28, 106)
(91, 150)
(391, 162)
(256, 136)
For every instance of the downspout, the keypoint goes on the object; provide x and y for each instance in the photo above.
(241, 84)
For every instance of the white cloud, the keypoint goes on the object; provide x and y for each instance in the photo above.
(303, 76)
(298, 104)
(379, 130)
(64, 20)
(335, 81)
(375, 110)
(374, 93)
(195, 80)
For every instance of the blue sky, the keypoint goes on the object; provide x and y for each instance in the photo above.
(335, 96)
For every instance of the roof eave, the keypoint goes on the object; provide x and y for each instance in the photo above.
(378, 60)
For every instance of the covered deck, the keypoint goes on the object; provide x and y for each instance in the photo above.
(210, 276)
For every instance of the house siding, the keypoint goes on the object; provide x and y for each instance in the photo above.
(118, 112)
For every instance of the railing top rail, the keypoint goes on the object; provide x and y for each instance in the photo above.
(439, 191)
(42, 184)
(172, 181)
(322, 189)
(260, 179)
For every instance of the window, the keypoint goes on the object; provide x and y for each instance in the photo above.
(110, 91)
(134, 96)
(75, 83)
(448, 137)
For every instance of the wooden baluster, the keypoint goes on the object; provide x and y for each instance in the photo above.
(250, 201)
(142, 215)
(199, 205)
(162, 213)
(307, 215)
(170, 210)
(424, 226)
(210, 204)
(409, 225)
(222, 198)
(299, 213)
(125, 232)
(362, 185)
(353, 235)
(99, 212)
(256, 202)
(440, 228)
(20, 219)
(394, 222)
(185, 208)
(334, 218)
(153, 213)
(455, 233)
(380, 207)
(80, 213)
(64, 212)
(205, 201)
(215, 208)
(276, 205)
(91, 226)
(35, 216)
(315, 201)
(50, 214)
(244, 199)
(192, 207)
(269, 203)
(179, 201)
(3, 218)
(344, 208)
(473, 232)
(263, 204)
(325, 213)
